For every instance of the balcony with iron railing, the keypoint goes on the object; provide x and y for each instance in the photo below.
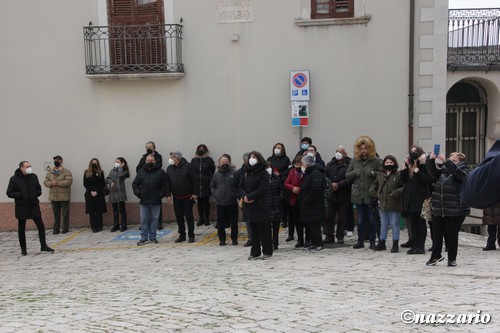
(133, 52)
(474, 39)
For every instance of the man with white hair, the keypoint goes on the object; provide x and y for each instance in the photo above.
(181, 186)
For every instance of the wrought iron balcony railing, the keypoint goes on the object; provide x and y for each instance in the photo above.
(474, 39)
(141, 50)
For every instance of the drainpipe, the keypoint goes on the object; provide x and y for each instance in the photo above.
(411, 93)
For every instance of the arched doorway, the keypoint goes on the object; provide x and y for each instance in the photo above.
(466, 111)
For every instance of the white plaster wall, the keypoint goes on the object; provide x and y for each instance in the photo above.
(234, 96)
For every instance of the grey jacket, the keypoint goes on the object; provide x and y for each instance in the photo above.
(117, 192)
(224, 187)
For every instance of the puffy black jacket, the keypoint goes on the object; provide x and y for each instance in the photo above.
(446, 199)
(336, 171)
(281, 163)
(312, 209)
(142, 162)
(149, 185)
(25, 190)
(253, 184)
(181, 180)
(204, 169)
(274, 200)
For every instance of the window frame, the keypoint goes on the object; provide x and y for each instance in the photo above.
(332, 14)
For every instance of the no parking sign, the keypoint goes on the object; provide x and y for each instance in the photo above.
(299, 86)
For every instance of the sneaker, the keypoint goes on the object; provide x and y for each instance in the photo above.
(253, 257)
(191, 240)
(349, 234)
(47, 249)
(489, 248)
(316, 248)
(452, 263)
(248, 243)
(267, 256)
(407, 244)
(234, 242)
(154, 241)
(180, 239)
(358, 246)
(433, 261)
(141, 242)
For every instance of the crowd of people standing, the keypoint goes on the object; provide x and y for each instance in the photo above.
(304, 194)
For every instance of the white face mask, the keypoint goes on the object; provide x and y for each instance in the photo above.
(252, 161)
(117, 165)
(310, 154)
(338, 156)
(303, 169)
(28, 171)
(170, 161)
(277, 151)
(269, 171)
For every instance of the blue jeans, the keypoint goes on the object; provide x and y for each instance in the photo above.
(387, 218)
(365, 214)
(149, 221)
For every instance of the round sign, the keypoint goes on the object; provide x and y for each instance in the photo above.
(299, 80)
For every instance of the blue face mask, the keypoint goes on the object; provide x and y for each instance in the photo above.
(305, 146)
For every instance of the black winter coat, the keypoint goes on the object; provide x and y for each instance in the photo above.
(335, 171)
(253, 184)
(446, 199)
(204, 169)
(416, 189)
(223, 187)
(149, 185)
(312, 201)
(181, 180)
(274, 200)
(25, 190)
(281, 163)
(142, 162)
(95, 183)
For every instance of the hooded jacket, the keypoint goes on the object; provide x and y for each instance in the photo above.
(388, 188)
(253, 184)
(312, 201)
(25, 190)
(480, 186)
(149, 185)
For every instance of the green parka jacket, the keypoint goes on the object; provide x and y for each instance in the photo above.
(388, 188)
(361, 173)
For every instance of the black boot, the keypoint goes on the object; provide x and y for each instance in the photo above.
(380, 246)
(409, 244)
(395, 246)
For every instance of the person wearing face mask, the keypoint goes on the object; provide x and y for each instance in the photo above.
(361, 173)
(149, 186)
(280, 164)
(274, 203)
(237, 178)
(312, 203)
(117, 193)
(448, 209)
(417, 187)
(182, 186)
(292, 186)
(340, 200)
(313, 152)
(224, 190)
(95, 203)
(58, 180)
(151, 149)
(388, 190)
(25, 189)
(204, 168)
(253, 190)
(304, 144)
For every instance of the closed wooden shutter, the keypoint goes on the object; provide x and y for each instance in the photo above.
(332, 8)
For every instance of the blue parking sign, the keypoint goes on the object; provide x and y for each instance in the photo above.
(295, 92)
(304, 92)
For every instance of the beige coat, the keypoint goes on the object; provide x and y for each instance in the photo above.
(62, 192)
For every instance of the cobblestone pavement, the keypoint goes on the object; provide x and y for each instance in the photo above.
(93, 283)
